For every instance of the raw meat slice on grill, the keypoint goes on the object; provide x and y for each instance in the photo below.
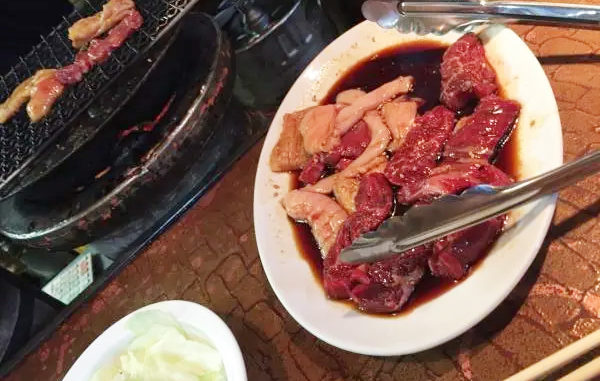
(351, 114)
(19, 96)
(46, 85)
(99, 49)
(465, 72)
(477, 136)
(45, 91)
(84, 30)
(41, 91)
(414, 160)
(322, 213)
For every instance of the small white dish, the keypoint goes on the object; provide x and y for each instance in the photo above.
(539, 139)
(112, 342)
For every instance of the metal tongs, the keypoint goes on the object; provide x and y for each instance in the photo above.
(448, 214)
(439, 17)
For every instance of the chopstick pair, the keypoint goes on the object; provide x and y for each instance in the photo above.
(563, 357)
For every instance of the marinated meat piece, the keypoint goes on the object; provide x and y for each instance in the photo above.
(345, 190)
(313, 171)
(326, 184)
(100, 49)
(342, 164)
(81, 32)
(380, 287)
(453, 178)
(289, 154)
(45, 91)
(372, 210)
(41, 90)
(380, 138)
(383, 286)
(17, 98)
(399, 117)
(317, 128)
(352, 144)
(391, 282)
(414, 160)
(351, 114)
(370, 158)
(323, 214)
(347, 97)
(454, 253)
(465, 72)
(375, 196)
(479, 133)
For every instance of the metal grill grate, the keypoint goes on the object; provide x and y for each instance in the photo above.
(21, 140)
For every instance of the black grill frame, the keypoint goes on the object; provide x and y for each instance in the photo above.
(22, 141)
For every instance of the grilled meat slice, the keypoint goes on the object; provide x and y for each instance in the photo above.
(84, 30)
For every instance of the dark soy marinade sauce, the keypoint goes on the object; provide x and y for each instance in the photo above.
(422, 61)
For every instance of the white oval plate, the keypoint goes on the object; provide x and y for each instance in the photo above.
(447, 316)
(112, 342)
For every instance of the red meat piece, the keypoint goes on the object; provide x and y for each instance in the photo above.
(465, 72)
(479, 134)
(352, 144)
(417, 156)
(453, 178)
(100, 49)
(375, 196)
(343, 164)
(313, 171)
(383, 286)
(454, 253)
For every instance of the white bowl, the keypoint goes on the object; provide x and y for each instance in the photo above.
(112, 342)
(445, 317)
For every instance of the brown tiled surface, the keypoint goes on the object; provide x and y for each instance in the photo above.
(210, 257)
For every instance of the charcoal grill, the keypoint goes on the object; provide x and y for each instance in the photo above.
(93, 192)
(23, 142)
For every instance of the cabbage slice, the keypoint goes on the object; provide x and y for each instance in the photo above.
(163, 351)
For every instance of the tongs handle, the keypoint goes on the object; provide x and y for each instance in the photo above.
(556, 179)
(389, 13)
(518, 11)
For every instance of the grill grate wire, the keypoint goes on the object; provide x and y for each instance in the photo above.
(21, 140)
